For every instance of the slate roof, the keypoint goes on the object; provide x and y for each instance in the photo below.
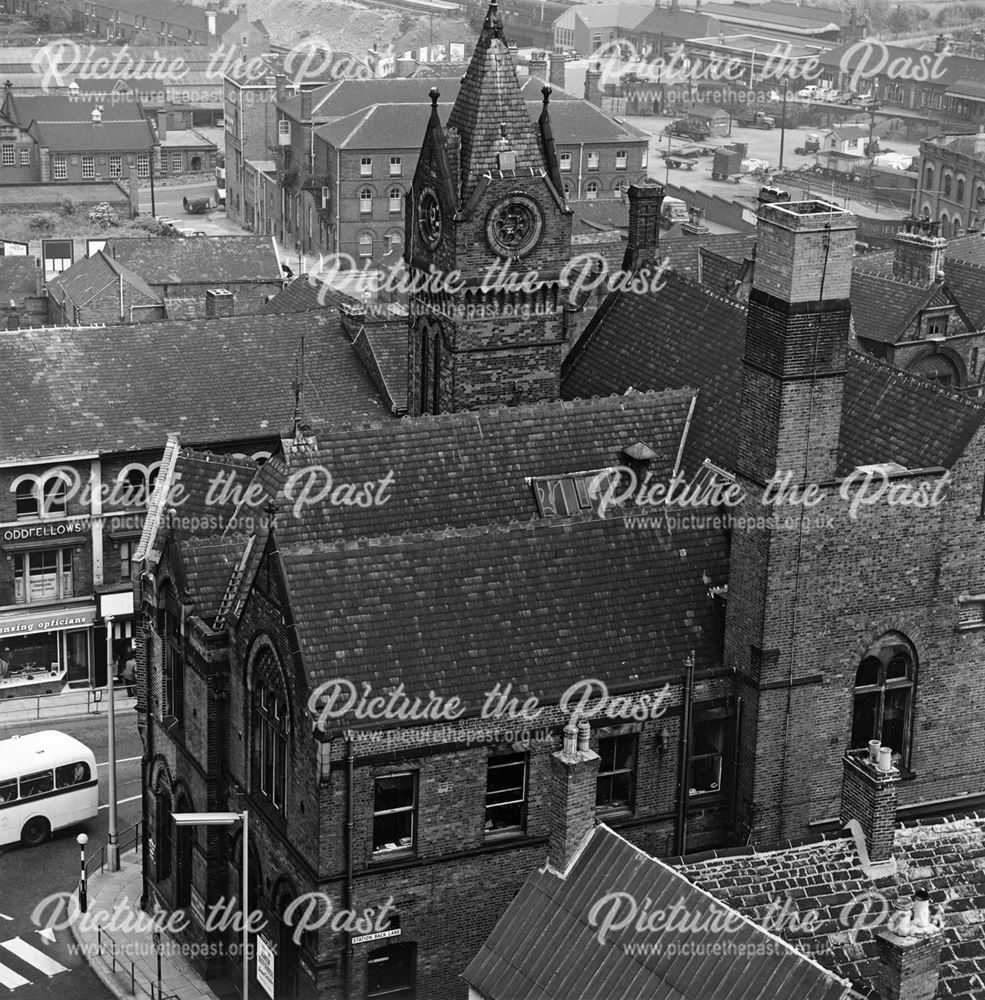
(682, 254)
(400, 126)
(124, 388)
(88, 137)
(86, 278)
(387, 347)
(967, 280)
(883, 306)
(612, 15)
(677, 24)
(489, 104)
(19, 277)
(43, 108)
(208, 566)
(444, 610)
(685, 334)
(946, 858)
(194, 260)
(306, 292)
(547, 946)
(461, 469)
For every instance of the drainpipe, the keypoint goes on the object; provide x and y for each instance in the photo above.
(350, 774)
(684, 755)
(581, 150)
(336, 209)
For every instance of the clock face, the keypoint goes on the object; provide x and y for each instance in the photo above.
(514, 226)
(429, 220)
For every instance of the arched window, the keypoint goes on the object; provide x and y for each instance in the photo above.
(619, 188)
(134, 486)
(365, 244)
(883, 702)
(567, 190)
(173, 680)
(394, 239)
(929, 179)
(592, 190)
(164, 834)
(959, 192)
(26, 497)
(270, 727)
(366, 201)
(947, 185)
(937, 368)
(395, 197)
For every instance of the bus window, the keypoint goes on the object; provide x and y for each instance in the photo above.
(37, 783)
(71, 774)
(8, 790)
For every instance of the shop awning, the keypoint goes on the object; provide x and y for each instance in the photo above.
(50, 619)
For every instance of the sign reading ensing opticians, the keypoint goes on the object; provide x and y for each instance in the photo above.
(48, 621)
(32, 531)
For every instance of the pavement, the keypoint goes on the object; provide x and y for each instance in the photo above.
(126, 960)
(70, 704)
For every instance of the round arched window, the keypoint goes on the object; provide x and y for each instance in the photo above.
(883, 700)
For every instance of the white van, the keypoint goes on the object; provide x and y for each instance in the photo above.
(47, 781)
(674, 210)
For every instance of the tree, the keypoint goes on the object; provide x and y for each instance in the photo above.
(56, 16)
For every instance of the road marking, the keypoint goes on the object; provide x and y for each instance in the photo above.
(47, 934)
(32, 956)
(125, 760)
(119, 802)
(11, 979)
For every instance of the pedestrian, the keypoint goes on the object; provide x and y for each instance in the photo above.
(130, 672)
(5, 663)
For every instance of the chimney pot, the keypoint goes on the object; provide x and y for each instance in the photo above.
(584, 734)
(219, 302)
(868, 795)
(572, 798)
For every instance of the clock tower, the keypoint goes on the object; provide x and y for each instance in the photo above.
(488, 236)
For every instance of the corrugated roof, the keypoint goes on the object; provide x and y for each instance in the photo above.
(124, 388)
(549, 945)
(194, 260)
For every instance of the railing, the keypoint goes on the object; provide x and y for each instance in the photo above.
(32, 707)
(129, 840)
(121, 964)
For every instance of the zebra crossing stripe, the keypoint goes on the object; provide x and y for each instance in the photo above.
(11, 979)
(31, 955)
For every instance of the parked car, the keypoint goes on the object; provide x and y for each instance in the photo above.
(196, 206)
(865, 101)
(809, 93)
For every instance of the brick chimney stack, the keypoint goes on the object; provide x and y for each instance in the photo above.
(593, 88)
(645, 201)
(219, 302)
(574, 769)
(538, 65)
(868, 794)
(162, 124)
(796, 347)
(918, 257)
(558, 61)
(909, 950)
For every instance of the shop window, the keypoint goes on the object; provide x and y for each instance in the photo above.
(42, 576)
(394, 812)
(269, 730)
(506, 792)
(25, 657)
(391, 972)
(77, 655)
(617, 771)
(883, 699)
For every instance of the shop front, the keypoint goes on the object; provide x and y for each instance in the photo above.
(42, 650)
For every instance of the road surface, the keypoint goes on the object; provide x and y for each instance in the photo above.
(44, 967)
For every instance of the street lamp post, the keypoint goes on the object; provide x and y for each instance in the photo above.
(783, 123)
(228, 819)
(82, 840)
(112, 606)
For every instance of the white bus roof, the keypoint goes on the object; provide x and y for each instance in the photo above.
(38, 751)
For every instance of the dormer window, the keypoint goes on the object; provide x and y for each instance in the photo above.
(562, 496)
